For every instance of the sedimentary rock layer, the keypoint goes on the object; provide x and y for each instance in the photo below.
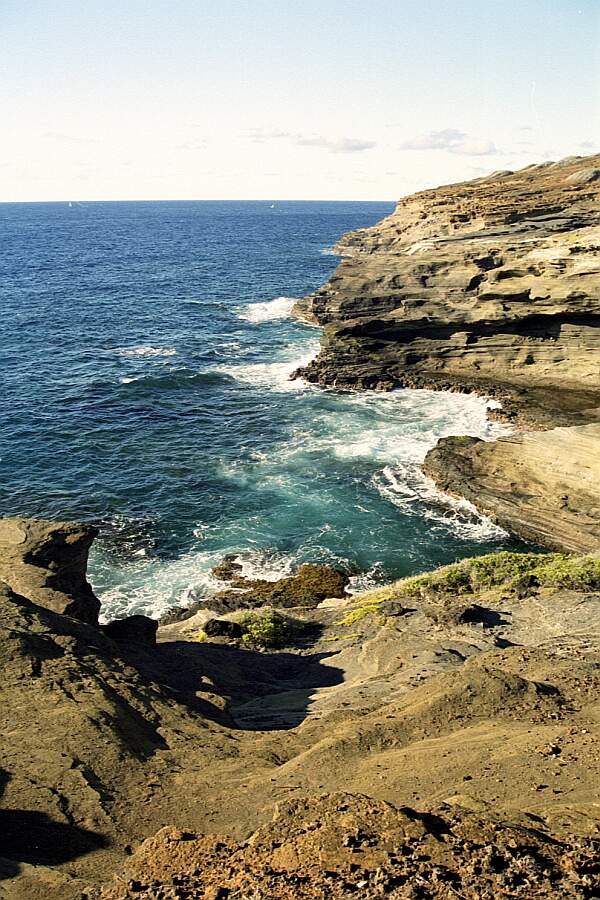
(544, 486)
(492, 284)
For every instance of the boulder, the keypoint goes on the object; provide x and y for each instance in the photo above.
(222, 628)
(132, 630)
(46, 563)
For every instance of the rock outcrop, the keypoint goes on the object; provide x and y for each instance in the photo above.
(489, 285)
(342, 845)
(479, 727)
(543, 486)
(46, 562)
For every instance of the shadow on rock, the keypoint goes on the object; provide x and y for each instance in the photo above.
(257, 690)
(29, 836)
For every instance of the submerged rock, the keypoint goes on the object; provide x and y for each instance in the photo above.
(46, 562)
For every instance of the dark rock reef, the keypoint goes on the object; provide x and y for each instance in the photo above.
(490, 285)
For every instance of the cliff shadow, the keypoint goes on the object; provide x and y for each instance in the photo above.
(30, 836)
(253, 690)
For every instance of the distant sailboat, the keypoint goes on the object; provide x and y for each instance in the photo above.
(70, 204)
(272, 206)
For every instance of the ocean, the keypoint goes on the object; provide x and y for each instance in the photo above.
(145, 358)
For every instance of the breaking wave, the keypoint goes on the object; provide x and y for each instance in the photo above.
(279, 308)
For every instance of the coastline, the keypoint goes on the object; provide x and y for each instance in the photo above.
(491, 287)
(290, 740)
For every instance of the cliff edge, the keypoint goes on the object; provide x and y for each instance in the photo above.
(490, 285)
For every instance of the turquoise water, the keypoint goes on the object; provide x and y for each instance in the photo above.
(146, 351)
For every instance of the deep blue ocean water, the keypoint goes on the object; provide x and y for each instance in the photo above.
(145, 359)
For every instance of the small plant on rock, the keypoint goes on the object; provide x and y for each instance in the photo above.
(265, 629)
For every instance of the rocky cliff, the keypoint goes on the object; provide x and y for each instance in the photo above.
(492, 285)
(543, 486)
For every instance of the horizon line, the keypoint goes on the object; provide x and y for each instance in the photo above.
(204, 200)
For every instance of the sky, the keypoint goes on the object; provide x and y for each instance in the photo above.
(288, 99)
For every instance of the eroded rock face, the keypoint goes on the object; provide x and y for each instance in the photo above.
(46, 562)
(491, 285)
(544, 486)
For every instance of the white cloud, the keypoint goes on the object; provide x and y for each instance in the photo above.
(66, 138)
(333, 145)
(193, 145)
(339, 145)
(451, 140)
(260, 135)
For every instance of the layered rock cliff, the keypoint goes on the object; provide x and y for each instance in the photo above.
(543, 486)
(492, 285)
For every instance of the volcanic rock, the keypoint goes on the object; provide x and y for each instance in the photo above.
(311, 584)
(46, 562)
(132, 630)
(222, 628)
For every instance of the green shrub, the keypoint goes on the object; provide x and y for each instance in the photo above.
(265, 629)
(502, 570)
(576, 572)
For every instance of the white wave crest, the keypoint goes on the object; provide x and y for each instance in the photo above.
(275, 375)
(145, 350)
(415, 494)
(279, 308)
(152, 586)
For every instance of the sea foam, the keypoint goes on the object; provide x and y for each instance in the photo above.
(275, 375)
(279, 308)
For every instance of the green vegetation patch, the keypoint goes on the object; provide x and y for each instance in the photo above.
(499, 570)
(358, 614)
(266, 628)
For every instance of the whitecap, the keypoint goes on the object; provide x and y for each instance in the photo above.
(411, 491)
(279, 308)
(145, 350)
(153, 586)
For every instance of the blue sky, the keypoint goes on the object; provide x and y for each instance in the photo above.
(298, 100)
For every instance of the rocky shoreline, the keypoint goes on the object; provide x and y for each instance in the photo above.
(432, 738)
(490, 286)
(435, 738)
